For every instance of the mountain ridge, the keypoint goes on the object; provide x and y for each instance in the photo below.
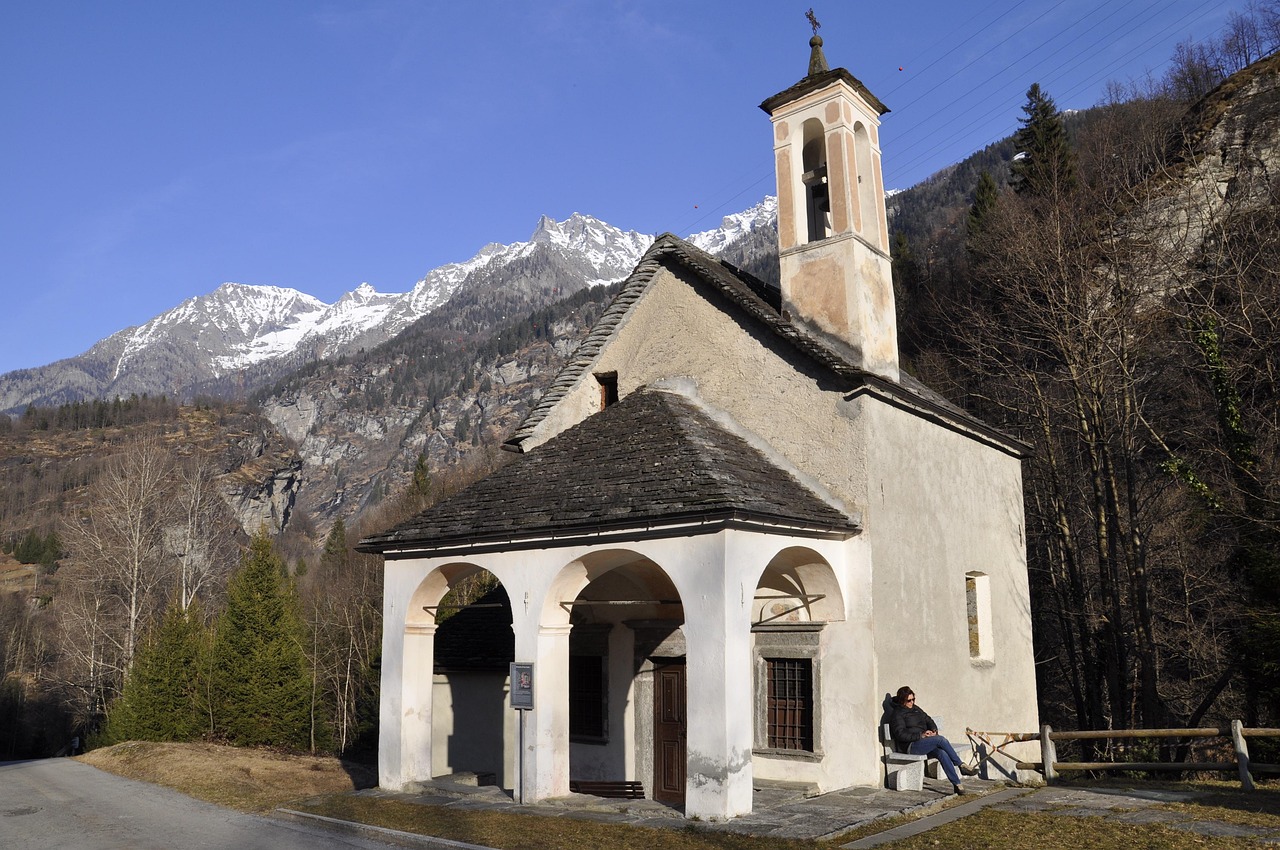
(239, 337)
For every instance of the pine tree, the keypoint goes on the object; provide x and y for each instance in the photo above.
(1045, 165)
(334, 556)
(985, 196)
(164, 697)
(262, 679)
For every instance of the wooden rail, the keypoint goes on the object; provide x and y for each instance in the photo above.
(1050, 765)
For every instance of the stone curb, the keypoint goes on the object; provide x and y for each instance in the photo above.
(347, 827)
(929, 822)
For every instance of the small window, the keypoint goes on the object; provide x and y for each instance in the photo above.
(588, 698)
(608, 388)
(790, 703)
(977, 594)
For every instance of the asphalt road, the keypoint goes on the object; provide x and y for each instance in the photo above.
(61, 804)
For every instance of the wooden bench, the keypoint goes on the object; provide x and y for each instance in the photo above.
(619, 789)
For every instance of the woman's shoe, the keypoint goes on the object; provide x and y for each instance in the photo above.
(959, 790)
(968, 771)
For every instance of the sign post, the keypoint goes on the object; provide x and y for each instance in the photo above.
(522, 701)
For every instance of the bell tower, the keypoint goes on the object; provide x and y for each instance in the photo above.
(833, 235)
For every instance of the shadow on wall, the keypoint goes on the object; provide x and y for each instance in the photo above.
(479, 714)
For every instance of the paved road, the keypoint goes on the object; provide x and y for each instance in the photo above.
(61, 804)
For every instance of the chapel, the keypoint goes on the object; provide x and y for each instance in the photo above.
(734, 525)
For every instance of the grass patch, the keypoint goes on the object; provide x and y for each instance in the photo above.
(253, 780)
(511, 831)
(1010, 831)
(248, 780)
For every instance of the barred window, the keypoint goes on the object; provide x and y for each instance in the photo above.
(790, 703)
(587, 697)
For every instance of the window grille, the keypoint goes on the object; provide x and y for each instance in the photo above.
(790, 708)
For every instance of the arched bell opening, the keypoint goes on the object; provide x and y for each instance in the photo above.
(817, 189)
(868, 203)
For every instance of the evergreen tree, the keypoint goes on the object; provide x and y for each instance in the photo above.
(334, 556)
(985, 196)
(1045, 164)
(262, 679)
(163, 698)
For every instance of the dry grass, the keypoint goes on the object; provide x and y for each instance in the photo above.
(260, 780)
(1009, 831)
(249, 780)
(511, 831)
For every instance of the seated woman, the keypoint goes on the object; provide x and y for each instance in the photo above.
(915, 732)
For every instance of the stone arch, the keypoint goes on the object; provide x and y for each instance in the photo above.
(798, 585)
(462, 669)
(617, 609)
(629, 569)
(432, 589)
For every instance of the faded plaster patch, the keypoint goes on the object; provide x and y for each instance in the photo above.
(688, 388)
(704, 771)
(786, 201)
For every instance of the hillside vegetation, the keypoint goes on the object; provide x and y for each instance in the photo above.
(1111, 295)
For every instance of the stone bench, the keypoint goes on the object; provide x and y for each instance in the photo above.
(905, 772)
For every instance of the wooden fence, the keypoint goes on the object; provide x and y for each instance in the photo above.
(1237, 733)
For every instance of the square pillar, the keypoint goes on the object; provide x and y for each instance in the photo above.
(720, 704)
(404, 736)
(546, 727)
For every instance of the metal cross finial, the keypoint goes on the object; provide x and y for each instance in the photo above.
(813, 21)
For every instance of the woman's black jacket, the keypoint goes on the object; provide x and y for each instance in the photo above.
(908, 725)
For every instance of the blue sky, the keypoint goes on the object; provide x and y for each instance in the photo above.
(155, 150)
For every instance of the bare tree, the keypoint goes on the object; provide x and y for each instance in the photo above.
(117, 543)
(202, 534)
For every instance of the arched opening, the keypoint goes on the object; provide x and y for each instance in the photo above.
(798, 586)
(867, 201)
(797, 594)
(626, 700)
(817, 192)
(473, 648)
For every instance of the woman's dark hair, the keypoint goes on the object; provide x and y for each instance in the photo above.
(903, 693)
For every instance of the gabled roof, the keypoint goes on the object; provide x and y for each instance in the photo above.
(653, 459)
(762, 303)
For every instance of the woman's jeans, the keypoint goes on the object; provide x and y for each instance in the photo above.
(936, 746)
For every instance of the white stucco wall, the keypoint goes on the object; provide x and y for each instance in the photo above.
(943, 505)
(474, 728)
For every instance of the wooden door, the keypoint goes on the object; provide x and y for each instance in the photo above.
(669, 731)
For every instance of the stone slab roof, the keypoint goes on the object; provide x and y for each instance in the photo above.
(762, 303)
(654, 458)
(813, 82)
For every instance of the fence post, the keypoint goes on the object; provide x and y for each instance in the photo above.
(1242, 754)
(1048, 753)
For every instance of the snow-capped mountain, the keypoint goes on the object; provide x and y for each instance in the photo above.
(242, 336)
(736, 228)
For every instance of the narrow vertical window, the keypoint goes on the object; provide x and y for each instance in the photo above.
(977, 595)
(608, 382)
(790, 703)
(588, 698)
